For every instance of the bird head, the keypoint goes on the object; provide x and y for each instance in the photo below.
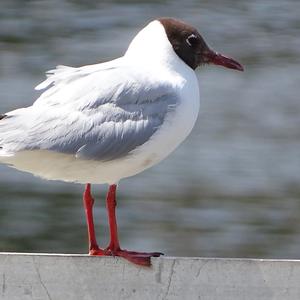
(190, 46)
(160, 38)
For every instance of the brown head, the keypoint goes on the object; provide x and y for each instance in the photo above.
(191, 47)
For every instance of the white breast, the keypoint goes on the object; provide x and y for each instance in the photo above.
(177, 126)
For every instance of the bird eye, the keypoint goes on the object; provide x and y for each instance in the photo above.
(192, 40)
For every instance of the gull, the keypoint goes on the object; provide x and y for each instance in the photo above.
(104, 122)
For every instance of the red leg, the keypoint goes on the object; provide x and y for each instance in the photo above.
(88, 202)
(111, 204)
(139, 258)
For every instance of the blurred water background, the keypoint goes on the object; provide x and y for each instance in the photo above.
(231, 190)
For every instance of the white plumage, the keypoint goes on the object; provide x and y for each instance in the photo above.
(104, 122)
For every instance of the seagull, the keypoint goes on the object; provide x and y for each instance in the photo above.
(100, 123)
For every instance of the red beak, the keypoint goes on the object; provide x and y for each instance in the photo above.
(222, 60)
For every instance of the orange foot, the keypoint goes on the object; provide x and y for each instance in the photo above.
(138, 258)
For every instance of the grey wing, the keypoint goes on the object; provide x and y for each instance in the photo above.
(127, 128)
(103, 127)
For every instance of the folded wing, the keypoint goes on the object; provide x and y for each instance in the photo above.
(101, 112)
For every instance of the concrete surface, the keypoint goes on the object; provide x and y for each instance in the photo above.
(72, 277)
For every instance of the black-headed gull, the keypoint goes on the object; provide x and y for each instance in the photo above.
(104, 122)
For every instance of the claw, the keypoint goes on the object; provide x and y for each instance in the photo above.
(97, 252)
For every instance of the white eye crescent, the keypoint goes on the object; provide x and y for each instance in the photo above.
(191, 40)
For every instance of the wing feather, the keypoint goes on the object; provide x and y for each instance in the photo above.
(101, 113)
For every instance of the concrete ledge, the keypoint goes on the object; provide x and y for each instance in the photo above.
(72, 277)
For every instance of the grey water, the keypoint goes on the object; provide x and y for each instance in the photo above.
(232, 189)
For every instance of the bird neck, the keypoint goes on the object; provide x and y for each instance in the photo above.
(152, 47)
